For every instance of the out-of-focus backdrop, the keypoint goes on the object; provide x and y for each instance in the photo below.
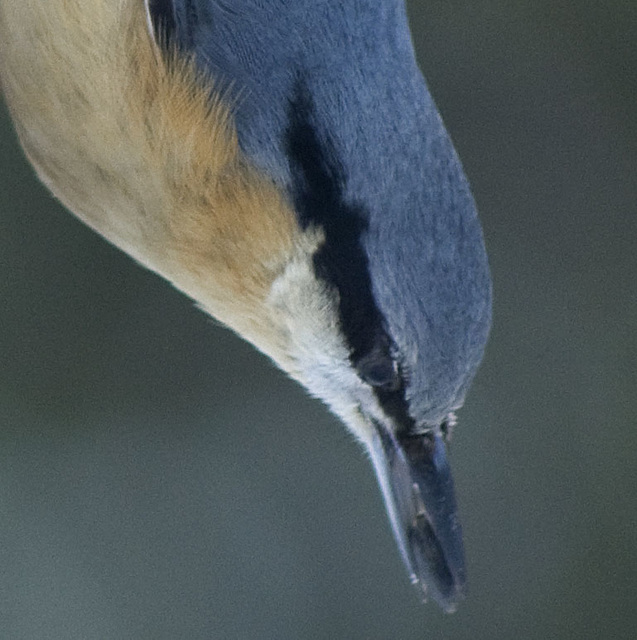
(159, 479)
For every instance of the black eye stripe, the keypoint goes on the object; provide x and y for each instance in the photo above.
(318, 182)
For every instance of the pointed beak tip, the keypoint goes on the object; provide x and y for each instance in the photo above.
(448, 602)
(418, 488)
(450, 607)
(447, 596)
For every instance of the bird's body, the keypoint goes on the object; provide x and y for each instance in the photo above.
(283, 164)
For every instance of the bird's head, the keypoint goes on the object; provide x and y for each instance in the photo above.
(388, 315)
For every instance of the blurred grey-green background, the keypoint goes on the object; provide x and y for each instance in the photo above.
(159, 479)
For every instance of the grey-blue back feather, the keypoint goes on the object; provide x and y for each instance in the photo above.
(372, 113)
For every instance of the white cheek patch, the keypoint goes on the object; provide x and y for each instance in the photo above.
(317, 355)
(308, 312)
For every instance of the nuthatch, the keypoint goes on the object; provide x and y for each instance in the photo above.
(283, 164)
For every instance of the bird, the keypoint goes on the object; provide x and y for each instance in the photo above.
(282, 163)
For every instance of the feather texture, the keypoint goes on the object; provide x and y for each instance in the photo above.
(139, 147)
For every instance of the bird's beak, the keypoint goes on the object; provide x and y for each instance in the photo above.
(417, 486)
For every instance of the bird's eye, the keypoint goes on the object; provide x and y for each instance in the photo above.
(379, 370)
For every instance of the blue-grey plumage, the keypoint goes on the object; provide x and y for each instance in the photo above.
(300, 185)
